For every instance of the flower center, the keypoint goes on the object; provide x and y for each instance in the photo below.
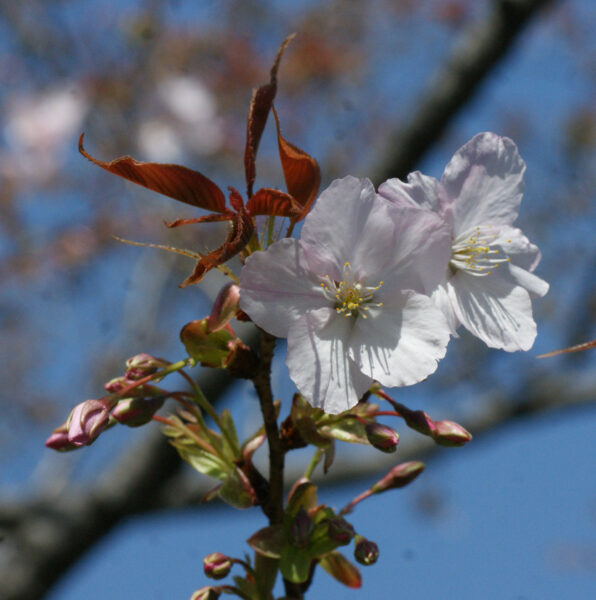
(350, 297)
(471, 251)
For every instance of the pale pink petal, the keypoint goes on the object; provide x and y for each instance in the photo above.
(420, 251)
(421, 191)
(494, 308)
(276, 287)
(348, 224)
(484, 180)
(319, 363)
(401, 342)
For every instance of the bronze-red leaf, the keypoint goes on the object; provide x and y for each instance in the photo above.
(213, 218)
(267, 201)
(175, 181)
(260, 105)
(242, 229)
(301, 172)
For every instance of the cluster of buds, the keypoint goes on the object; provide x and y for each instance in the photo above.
(444, 433)
(89, 419)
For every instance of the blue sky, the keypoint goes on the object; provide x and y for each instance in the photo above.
(515, 511)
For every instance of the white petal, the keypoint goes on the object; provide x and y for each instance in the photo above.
(484, 180)
(421, 191)
(518, 247)
(440, 298)
(401, 343)
(319, 364)
(536, 286)
(494, 308)
(348, 223)
(276, 287)
(420, 251)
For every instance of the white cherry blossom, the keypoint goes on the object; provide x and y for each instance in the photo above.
(488, 283)
(349, 295)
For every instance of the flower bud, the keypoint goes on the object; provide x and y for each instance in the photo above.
(449, 433)
(366, 552)
(207, 593)
(217, 565)
(117, 384)
(134, 412)
(399, 476)
(224, 308)
(382, 437)
(86, 421)
(340, 531)
(143, 364)
(59, 441)
(301, 529)
(419, 421)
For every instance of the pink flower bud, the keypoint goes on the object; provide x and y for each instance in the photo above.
(134, 412)
(399, 476)
(217, 565)
(366, 552)
(143, 364)
(207, 593)
(449, 433)
(419, 421)
(382, 437)
(340, 531)
(301, 529)
(59, 441)
(117, 384)
(225, 307)
(86, 421)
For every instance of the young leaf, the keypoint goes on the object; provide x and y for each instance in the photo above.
(301, 172)
(295, 564)
(267, 201)
(260, 105)
(268, 541)
(242, 230)
(338, 566)
(175, 181)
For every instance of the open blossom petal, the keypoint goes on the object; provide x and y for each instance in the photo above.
(489, 282)
(495, 309)
(485, 180)
(348, 223)
(319, 362)
(345, 294)
(277, 287)
(420, 191)
(402, 343)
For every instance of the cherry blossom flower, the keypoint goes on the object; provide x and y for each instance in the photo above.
(488, 283)
(349, 295)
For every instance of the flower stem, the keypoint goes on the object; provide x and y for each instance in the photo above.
(262, 383)
(316, 459)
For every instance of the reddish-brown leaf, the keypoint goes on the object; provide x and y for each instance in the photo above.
(206, 219)
(267, 201)
(301, 172)
(258, 111)
(175, 181)
(242, 229)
